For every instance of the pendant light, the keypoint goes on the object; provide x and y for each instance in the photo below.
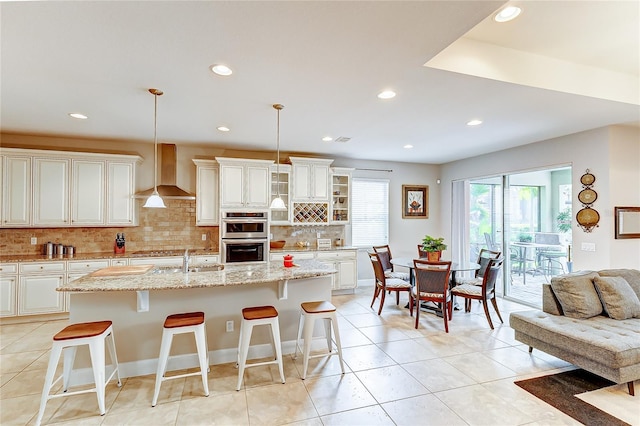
(277, 203)
(154, 200)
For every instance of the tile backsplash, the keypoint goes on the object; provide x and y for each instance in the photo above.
(172, 228)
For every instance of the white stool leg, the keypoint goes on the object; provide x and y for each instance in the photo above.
(246, 330)
(96, 350)
(275, 334)
(111, 344)
(300, 324)
(165, 348)
(327, 333)
(201, 345)
(309, 321)
(336, 333)
(69, 356)
(56, 350)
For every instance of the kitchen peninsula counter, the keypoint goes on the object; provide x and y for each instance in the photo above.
(231, 275)
(10, 258)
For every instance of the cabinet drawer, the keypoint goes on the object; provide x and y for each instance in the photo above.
(8, 268)
(41, 267)
(207, 259)
(88, 266)
(337, 255)
(119, 262)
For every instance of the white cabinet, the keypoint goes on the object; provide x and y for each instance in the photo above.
(340, 195)
(244, 183)
(50, 192)
(37, 288)
(207, 187)
(121, 183)
(310, 179)
(345, 262)
(87, 192)
(280, 183)
(8, 289)
(205, 259)
(119, 262)
(16, 191)
(61, 189)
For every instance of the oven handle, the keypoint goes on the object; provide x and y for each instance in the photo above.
(243, 241)
(244, 220)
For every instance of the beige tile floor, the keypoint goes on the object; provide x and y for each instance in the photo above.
(395, 374)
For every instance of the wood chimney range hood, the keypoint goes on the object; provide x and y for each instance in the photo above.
(168, 173)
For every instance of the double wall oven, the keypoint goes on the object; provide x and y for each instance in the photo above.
(244, 236)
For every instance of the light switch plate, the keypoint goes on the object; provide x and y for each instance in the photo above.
(588, 246)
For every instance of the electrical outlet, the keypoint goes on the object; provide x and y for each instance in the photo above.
(229, 326)
(588, 246)
(34, 241)
(204, 237)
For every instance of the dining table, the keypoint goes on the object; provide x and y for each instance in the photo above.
(456, 267)
(524, 256)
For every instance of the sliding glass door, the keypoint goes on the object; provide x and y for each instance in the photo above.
(526, 216)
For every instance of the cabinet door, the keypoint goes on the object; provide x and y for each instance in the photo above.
(232, 184)
(38, 295)
(16, 200)
(51, 192)
(301, 181)
(257, 186)
(8, 286)
(120, 190)
(87, 192)
(207, 196)
(347, 274)
(320, 183)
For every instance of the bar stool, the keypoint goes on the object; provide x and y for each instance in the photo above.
(68, 339)
(310, 312)
(192, 322)
(251, 317)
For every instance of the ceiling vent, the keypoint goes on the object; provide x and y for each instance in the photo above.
(343, 139)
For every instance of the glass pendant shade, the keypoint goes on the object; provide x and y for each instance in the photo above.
(277, 204)
(154, 201)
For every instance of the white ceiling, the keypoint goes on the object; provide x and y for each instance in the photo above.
(325, 61)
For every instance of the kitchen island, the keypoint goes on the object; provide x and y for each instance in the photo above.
(138, 305)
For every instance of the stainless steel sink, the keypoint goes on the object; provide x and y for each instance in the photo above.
(177, 270)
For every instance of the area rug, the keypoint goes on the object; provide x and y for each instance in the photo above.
(559, 390)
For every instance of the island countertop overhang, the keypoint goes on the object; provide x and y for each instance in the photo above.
(232, 274)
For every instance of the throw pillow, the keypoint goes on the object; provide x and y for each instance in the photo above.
(631, 275)
(618, 298)
(577, 295)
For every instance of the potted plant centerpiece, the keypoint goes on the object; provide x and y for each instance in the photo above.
(433, 247)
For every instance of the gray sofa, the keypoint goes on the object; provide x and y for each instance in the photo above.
(590, 319)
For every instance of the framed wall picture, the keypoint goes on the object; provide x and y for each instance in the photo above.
(415, 202)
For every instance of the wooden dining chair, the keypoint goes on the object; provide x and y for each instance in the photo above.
(384, 254)
(483, 260)
(432, 285)
(384, 284)
(484, 293)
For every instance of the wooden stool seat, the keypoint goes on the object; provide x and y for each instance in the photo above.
(253, 317)
(317, 307)
(259, 312)
(184, 320)
(83, 329)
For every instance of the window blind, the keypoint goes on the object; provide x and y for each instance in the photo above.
(370, 212)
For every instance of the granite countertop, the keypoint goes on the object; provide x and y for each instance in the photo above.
(242, 274)
(9, 258)
(291, 249)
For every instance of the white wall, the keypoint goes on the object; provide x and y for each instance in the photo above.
(611, 154)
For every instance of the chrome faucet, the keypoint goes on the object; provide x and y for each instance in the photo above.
(185, 261)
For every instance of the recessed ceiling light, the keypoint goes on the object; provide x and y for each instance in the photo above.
(78, 115)
(327, 139)
(507, 14)
(223, 129)
(221, 69)
(387, 94)
(409, 146)
(474, 122)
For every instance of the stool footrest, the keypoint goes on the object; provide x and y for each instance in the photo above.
(179, 376)
(256, 364)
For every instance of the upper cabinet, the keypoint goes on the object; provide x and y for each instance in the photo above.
(281, 184)
(206, 192)
(340, 195)
(244, 183)
(61, 189)
(310, 179)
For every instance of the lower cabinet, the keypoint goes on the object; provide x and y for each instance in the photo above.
(344, 261)
(8, 289)
(38, 282)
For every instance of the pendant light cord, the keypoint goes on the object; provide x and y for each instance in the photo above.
(155, 143)
(278, 107)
